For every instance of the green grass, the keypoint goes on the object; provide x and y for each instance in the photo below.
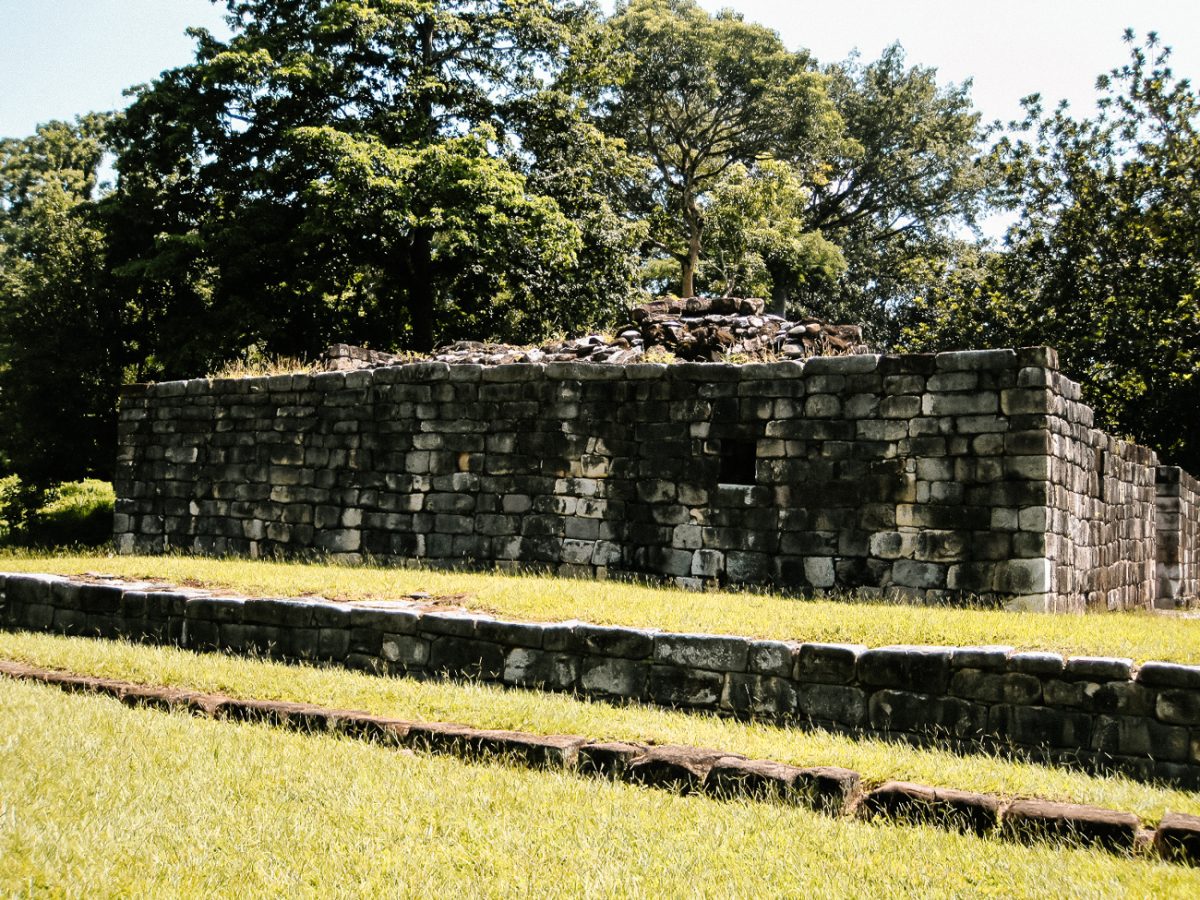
(489, 706)
(101, 800)
(1139, 635)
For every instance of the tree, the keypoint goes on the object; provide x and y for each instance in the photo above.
(699, 94)
(61, 349)
(759, 239)
(238, 171)
(1104, 260)
(908, 177)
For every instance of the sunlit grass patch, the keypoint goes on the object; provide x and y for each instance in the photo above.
(1140, 635)
(490, 706)
(104, 800)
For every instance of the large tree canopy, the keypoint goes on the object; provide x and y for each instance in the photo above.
(697, 94)
(1103, 261)
(61, 352)
(339, 167)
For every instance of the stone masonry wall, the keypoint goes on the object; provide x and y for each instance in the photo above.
(917, 477)
(1098, 713)
(1178, 526)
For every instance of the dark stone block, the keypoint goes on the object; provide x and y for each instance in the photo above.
(922, 669)
(1177, 838)
(510, 634)
(599, 640)
(925, 714)
(1160, 674)
(673, 686)
(828, 663)
(766, 696)
(918, 803)
(774, 658)
(614, 677)
(333, 643)
(393, 621)
(716, 653)
(1068, 822)
(608, 759)
(461, 657)
(527, 667)
(676, 768)
(839, 704)
(1038, 726)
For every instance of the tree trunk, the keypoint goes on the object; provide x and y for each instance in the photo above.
(695, 223)
(779, 297)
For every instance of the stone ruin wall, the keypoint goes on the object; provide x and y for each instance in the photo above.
(973, 475)
(1178, 531)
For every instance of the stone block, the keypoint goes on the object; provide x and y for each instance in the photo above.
(828, 663)
(1178, 707)
(1070, 823)
(614, 677)
(839, 704)
(890, 710)
(466, 658)
(676, 768)
(914, 668)
(1177, 838)
(1043, 665)
(765, 696)
(404, 651)
(1098, 668)
(1161, 674)
(599, 640)
(676, 687)
(904, 801)
(773, 658)
(991, 658)
(608, 759)
(718, 653)
(525, 667)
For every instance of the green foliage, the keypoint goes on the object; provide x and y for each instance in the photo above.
(1103, 262)
(908, 175)
(344, 168)
(61, 349)
(758, 240)
(76, 512)
(696, 94)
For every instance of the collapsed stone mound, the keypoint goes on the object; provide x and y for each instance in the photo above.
(698, 329)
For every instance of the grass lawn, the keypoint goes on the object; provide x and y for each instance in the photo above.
(99, 799)
(1139, 635)
(489, 706)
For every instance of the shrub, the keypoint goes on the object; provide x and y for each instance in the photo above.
(75, 512)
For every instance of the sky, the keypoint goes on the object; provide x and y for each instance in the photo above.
(61, 58)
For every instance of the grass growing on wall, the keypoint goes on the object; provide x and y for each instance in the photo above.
(1139, 635)
(489, 706)
(113, 801)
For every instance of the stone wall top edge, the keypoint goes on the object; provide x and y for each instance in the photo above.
(434, 370)
(1037, 662)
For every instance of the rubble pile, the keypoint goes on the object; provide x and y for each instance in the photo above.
(698, 329)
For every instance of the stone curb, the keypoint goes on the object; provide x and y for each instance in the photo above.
(1095, 713)
(678, 768)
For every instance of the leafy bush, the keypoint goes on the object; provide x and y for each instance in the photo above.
(75, 512)
(12, 506)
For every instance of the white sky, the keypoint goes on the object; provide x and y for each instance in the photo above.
(59, 58)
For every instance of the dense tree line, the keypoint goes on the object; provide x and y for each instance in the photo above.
(399, 173)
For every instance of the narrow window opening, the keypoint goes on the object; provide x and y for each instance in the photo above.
(738, 458)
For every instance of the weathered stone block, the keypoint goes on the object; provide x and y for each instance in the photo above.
(676, 687)
(527, 667)
(614, 677)
(828, 663)
(915, 668)
(842, 705)
(462, 657)
(717, 653)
